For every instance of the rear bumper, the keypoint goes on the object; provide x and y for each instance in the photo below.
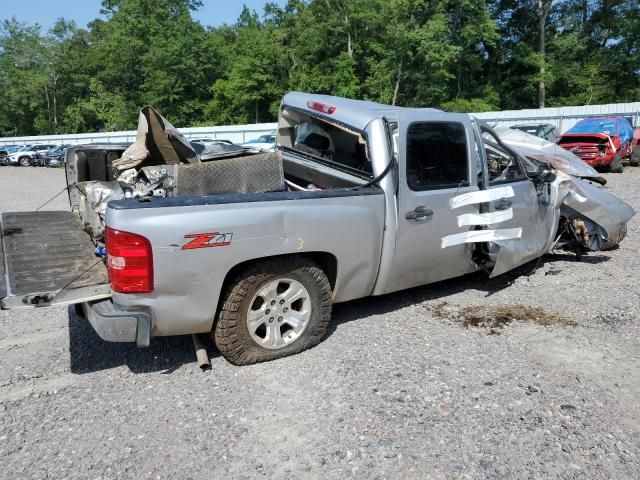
(113, 323)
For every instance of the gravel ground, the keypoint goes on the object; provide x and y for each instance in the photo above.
(392, 392)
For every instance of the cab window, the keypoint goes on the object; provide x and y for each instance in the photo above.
(437, 156)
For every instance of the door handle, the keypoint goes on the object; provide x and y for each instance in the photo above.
(420, 213)
(503, 204)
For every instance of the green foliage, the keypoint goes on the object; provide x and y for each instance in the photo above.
(458, 55)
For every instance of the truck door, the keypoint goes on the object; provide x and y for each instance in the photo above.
(520, 211)
(437, 161)
(47, 259)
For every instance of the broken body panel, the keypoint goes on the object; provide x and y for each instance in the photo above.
(384, 198)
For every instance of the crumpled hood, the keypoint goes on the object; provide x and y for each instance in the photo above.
(549, 153)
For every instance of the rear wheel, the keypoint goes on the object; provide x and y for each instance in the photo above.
(634, 161)
(273, 309)
(24, 161)
(616, 164)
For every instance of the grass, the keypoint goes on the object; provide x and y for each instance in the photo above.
(494, 318)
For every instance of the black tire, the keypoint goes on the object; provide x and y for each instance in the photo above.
(24, 161)
(634, 161)
(231, 333)
(612, 244)
(616, 164)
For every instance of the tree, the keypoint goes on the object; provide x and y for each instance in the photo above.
(459, 55)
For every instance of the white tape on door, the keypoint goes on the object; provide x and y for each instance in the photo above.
(485, 218)
(475, 236)
(481, 196)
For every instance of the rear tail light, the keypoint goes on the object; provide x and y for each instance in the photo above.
(321, 107)
(129, 262)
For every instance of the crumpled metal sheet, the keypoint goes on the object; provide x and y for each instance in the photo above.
(97, 195)
(157, 142)
(547, 152)
(595, 203)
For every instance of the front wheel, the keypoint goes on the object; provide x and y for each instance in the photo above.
(616, 164)
(273, 309)
(24, 161)
(634, 161)
(612, 243)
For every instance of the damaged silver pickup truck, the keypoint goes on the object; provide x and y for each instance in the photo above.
(359, 199)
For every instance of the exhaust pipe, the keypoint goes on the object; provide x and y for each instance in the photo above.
(202, 357)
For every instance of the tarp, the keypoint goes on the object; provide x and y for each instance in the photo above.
(608, 125)
(157, 142)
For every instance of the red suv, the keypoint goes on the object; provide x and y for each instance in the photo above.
(600, 141)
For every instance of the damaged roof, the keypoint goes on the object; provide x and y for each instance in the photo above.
(356, 113)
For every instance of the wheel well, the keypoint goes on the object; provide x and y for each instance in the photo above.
(326, 261)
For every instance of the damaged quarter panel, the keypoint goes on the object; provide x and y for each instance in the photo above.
(188, 282)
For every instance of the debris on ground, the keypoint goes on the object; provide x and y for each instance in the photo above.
(494, 318)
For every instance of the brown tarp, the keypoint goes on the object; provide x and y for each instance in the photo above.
(157, 143)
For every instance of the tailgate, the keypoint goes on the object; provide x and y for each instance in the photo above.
(47, 259)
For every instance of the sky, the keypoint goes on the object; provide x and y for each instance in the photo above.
(45, 12)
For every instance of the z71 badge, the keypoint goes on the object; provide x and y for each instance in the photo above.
(205, 240)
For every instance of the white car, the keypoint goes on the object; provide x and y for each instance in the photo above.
(26, 156)
(264, 142)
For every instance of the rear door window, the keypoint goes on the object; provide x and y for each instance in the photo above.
(437, 156)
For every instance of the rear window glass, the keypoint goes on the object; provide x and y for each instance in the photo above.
(436, 155)
(343, 148)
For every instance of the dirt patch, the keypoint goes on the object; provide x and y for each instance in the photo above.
(494, 318)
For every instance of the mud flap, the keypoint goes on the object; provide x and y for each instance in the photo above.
(47, 259)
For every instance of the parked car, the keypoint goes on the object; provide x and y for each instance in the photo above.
(28, 155)
(54, 157)
(15, 155)
(8, 149)
(263, 142)
(359, 199)
(602, 142)
(543, 130)
(4, 158)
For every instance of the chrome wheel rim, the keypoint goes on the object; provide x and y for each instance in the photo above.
(279, 313)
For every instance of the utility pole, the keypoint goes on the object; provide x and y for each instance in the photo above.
(541, 28)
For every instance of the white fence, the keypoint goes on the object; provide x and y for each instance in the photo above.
(234, 133)
(563, 118)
